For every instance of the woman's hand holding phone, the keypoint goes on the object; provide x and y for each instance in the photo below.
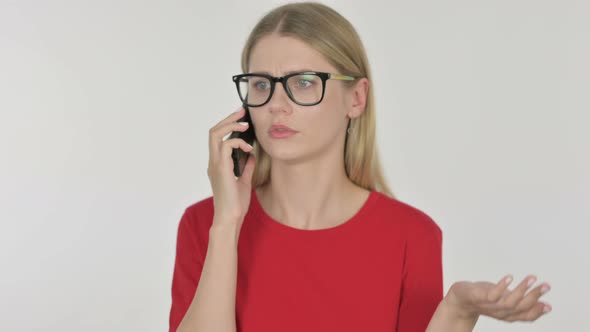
(231, 196)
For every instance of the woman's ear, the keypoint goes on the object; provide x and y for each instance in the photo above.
(359, 94)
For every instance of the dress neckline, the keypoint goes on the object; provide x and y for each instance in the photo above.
(355, 221)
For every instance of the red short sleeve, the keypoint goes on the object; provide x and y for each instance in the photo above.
(187, 269)
(422, 276)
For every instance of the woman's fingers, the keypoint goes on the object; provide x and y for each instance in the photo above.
(496, 292)
(532, 298)
(530, 309)
(235, 143)
(232, 117)
(516, 295)
(497, 301)
(536, 311)
(516, 306)
(217, 153)
(223, 128)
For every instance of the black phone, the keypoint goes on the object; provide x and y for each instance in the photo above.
(240, 156)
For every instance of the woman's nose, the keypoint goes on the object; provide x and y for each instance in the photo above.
(279, 96)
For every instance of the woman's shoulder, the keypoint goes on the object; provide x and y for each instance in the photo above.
(201, 205)
(199, 214)
(413, 218)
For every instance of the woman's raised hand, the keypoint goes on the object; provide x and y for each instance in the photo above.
(231, 197)
(472, 299)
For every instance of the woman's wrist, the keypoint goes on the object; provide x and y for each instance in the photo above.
(459, 320)
(224, 233)
(457, 309)
(449, 317)
(458, 312)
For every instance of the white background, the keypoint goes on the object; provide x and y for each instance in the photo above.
(105, 106)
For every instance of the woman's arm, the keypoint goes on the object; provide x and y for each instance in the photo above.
(466, 301)
(214, 303)
(447, 318)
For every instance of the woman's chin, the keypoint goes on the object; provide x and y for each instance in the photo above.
(283, 154)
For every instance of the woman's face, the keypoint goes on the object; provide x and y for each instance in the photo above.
(319, 127)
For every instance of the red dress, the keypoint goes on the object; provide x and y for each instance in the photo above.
(380, 271)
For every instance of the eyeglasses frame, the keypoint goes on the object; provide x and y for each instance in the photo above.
(283, 79)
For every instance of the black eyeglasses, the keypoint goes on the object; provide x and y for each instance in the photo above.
(304, 88)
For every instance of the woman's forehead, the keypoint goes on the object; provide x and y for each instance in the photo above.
(281, 55)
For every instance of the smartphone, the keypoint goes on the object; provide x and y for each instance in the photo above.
(240, 156)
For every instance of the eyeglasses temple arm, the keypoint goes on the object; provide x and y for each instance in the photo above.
(342, 77)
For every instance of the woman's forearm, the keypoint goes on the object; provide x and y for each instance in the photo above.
(447, 318)
(214, 305)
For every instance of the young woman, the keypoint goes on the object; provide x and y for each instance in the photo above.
(310, 238)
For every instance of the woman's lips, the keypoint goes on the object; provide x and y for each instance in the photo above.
(281, 131)
(280, 126)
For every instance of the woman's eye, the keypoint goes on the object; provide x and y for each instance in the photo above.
(304, 83)
(260, 85)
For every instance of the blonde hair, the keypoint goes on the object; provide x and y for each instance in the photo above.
(333, 36)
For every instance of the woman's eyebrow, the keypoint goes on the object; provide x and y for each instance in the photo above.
(286, 73)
